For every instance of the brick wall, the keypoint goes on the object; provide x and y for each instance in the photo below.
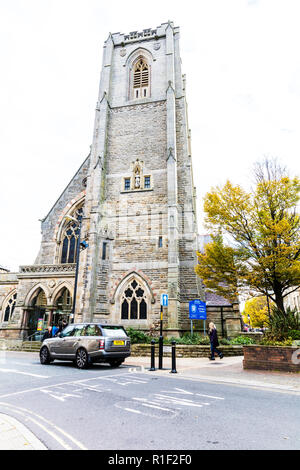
(271, 358)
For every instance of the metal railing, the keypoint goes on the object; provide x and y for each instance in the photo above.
(33, 336)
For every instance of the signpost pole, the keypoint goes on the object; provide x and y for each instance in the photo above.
(160, 349)
(197, 311)
(164, 302)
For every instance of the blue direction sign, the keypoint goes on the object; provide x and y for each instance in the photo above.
(197, 310)
(164, 300)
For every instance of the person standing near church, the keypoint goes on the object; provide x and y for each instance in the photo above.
(214, 342)
(54, 330)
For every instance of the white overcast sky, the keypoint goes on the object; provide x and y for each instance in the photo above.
(241, 59)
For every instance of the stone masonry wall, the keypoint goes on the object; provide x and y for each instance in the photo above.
(135, 219)
(185, 350)
(8, 285)
(48, 249)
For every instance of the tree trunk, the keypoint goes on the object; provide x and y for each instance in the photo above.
(279, 299)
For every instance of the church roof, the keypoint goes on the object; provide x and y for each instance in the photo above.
(216, 300)
(2, 269)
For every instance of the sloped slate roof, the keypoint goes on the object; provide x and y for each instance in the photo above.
(216, 300)
(2, 268)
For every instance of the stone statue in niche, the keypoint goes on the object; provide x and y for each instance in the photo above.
(137, 183)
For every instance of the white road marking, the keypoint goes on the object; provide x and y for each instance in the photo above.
(185, 392)
(37, 389)
(26, 413)
(60, 396)
(155, 406)
(133, 411)
(15, 371)
(178, 401)
(152, 402)
(180, 390)
(209, 396)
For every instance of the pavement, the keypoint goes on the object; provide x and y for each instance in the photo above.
(229, 370)
(15, 436)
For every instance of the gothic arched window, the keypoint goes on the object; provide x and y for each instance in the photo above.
(141, 78)
(69, 238)
(10, 307)
(134, 302)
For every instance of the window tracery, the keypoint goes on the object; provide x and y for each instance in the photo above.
(134, 302)
(69, 238)
(10, 307)
(141, 78)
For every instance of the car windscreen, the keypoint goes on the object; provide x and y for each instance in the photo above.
(109, 330)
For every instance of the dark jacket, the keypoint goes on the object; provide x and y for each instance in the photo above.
(213, 337)
(47, 335)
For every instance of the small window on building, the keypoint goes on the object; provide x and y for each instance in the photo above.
(147, 182)
(104, 246)
(127, 184)
(160, 242)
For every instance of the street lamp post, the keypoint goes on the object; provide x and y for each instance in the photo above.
(78, 222)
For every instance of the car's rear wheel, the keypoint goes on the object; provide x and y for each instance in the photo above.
(115, 363)
(82, 359)
(45, 357)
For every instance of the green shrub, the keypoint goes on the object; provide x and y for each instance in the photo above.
(295, 334)
(224, 341)
(187, 338)
(196, 338)
(281, 324)
(243, 340)
(269, 341)
(138, 336)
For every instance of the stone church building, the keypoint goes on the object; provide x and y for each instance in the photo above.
(129, 213)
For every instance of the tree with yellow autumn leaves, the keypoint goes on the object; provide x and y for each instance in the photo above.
(257, 310)
(262, 227)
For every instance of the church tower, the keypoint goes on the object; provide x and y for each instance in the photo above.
(139, 214)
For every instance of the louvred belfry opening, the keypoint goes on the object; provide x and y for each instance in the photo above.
(141, 78)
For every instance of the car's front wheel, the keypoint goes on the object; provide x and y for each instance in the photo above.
(45, 355)
(82, 359)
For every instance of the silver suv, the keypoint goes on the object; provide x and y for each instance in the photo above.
(86, 343)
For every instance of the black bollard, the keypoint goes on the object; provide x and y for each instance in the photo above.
(160, 352)
(152, 355)
(173, 371)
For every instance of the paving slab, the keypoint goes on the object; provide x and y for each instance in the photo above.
(15, 436)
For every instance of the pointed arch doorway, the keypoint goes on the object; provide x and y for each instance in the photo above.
(62, 307)
(37, 312)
